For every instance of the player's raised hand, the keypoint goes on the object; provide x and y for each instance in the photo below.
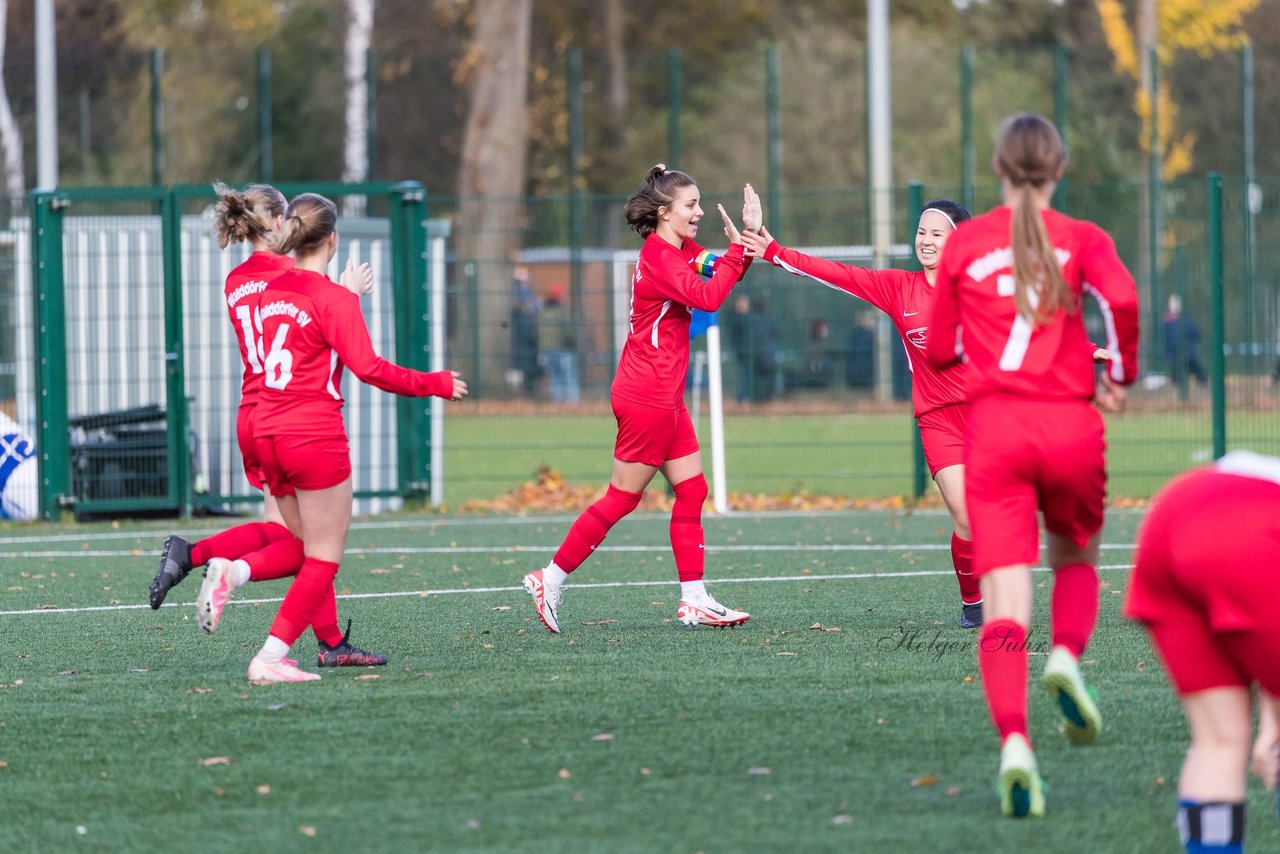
(459, 387)
(358, 280)
(756, 242)
(730, 230)
(752, 216)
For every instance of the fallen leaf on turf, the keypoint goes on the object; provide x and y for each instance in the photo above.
(472, 824)
(488, 646)
(577, 797)
(598, 622)
(264, 789)
(604, 736)
(759, 772)
(379, 572)
(501, 608)
(275, 707)
(952, 790)
(138, 670)
(216, 760)
(926, 780)
(969, 679)
(367, 677)
(644, 772)
(219, 791)
(564, 774)
(307, 830)
(3, 764)
(66, 673)
(842, 819)
(200, 691)
(780, 654)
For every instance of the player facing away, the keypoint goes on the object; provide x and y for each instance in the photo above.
(937, 395)
(312, 329)
(257, 551)
(1012, 279)
(655, 432)
(1209, 605)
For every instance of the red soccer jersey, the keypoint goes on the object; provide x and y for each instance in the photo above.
(244, 286)
(907, 298)
(664, 290)
(1006, 353)
(311, 328)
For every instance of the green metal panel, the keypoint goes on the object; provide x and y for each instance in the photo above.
(52, 440)
(413, 345)
(175, 371)
(919, 466)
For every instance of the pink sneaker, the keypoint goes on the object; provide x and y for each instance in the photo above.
(269, 672)
(215, 590)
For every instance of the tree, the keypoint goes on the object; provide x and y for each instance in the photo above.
(1204, 26)
(10, 136)
(355, 149)
(491, 175)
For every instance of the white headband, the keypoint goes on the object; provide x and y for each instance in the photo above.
(944, 215)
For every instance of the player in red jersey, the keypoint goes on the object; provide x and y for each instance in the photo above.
(311, 329)
(937, 395)
(257, 551)
(655, 432)
(1209, 605)
(1012, 279)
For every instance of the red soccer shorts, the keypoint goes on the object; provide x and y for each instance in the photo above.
(303, 462)
(1022, 455)
(649, 435)
(248, 449)
(942, 434)
(1206, 581)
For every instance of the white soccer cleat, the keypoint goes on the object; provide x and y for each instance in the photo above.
(545, 602)
(1081, 720)
(269, 672)
(1019, 784)
(215, 590)
(709, 612)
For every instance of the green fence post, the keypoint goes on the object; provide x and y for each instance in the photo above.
(968, 169)
(175, 372)
(266, 166)
(675, 105)
(919, 467)
(1060, 118)
(52, 440)
(773, 135)
(413, 337)
(1217, 361)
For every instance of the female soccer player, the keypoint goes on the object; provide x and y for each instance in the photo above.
(311, 328)
(1013, 279)
(1209, 604)
(937, 394)
(257, 551)
(655, 432)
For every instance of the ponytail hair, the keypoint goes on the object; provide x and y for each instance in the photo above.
(308, 222)
(1030, 154)
(658, 190)
(249, 215)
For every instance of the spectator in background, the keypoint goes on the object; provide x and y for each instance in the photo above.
(860, 358)
(738, 330)
(819, 358)
(763, 335)
(1181, 346)
(524, 331)
(558, 344)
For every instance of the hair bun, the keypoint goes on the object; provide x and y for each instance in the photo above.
(655, 171)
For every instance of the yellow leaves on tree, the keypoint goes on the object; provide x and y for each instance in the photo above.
(1204, 26)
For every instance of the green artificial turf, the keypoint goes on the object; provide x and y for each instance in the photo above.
(845, 716)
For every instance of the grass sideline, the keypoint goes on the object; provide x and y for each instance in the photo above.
(624, 733)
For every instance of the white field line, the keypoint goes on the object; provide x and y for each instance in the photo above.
(400, 594)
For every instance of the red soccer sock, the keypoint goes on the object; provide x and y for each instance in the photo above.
(304, 600)
(593, 525)
(280, 559)
(962, 562)
(686, 527)
(235, 543)
(325, 624)
(1002, 660)
(1073, 608)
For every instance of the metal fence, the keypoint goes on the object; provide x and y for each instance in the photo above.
(815, 383)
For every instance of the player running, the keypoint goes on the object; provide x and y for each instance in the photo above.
(1012, 279)
(655, 432)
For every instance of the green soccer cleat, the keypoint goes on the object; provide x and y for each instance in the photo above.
(1081, 720)
(1019, 785)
